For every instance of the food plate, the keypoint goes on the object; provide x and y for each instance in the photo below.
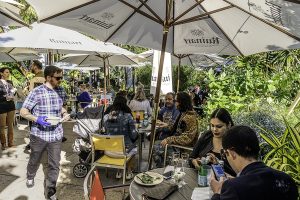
(148, 178)
(53, 120)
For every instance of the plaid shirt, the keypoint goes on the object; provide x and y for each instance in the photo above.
(43, 101)
(62, 93)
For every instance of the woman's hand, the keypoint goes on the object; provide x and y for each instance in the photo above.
(164, 142)
(212, 158)
(196, 162)
(161, 124)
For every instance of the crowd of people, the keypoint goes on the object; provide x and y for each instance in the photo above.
(177, 124)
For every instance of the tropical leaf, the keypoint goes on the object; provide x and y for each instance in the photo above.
(294, 136)
(273, 141)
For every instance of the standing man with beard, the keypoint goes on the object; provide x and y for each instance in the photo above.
(38, 79)
(41, 103)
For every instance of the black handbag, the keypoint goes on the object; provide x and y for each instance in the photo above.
(160, 192)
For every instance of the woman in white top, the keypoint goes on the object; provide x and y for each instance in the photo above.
(140, 102)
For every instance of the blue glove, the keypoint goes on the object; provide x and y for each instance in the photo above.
(41, 120)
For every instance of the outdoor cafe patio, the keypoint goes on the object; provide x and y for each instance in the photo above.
(203, 34)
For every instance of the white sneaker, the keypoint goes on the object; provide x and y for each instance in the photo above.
(129, 175)
(53, 197)
(30, 183)
(118, 175)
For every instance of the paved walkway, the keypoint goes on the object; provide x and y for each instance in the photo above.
(13, 163)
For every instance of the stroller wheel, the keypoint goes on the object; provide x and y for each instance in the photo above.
(80, 170)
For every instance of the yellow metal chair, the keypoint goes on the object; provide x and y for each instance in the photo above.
(113, 144)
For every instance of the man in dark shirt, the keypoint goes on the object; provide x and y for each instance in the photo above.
(255, 180)
(167, 117)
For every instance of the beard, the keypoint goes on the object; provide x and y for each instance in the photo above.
(54, 83)
(169, 105)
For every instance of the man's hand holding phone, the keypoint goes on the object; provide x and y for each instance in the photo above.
(218, 171)
(215, 185)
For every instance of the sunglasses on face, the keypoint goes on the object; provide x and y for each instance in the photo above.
(58, 77)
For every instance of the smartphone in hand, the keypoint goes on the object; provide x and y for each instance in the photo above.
(218, 171)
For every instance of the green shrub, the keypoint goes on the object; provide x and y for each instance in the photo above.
(284, 154)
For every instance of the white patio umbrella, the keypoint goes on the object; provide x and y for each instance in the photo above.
(9, 13)
(6, 57)
(127, 58)
(229, 27)
(195, 60)
(92, 60)
(47, 38)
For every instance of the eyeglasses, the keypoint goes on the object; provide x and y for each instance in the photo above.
(224, 153)
(58, 77)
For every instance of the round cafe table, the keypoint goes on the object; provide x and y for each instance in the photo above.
(183, 193)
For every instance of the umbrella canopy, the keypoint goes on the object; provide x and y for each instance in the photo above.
(94, 60)
(231, 27)
(195, 60)
(6, 57)
(9, 13)
(48, 38)
(69, 66)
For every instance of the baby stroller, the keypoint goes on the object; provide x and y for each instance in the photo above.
(87, 122)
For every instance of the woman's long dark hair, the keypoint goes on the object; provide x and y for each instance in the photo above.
(2, 69)
(119, 104)
(185, 102)
(223, 115)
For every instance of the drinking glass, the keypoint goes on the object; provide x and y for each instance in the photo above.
(184, 162)
(175, 160)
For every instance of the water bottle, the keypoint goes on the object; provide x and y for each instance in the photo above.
(145, 121)
(73, 109)
(202, 174)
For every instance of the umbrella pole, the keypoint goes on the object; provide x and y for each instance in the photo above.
(157, 95)
(108, 74)
(133, 79)
(178, 74)
(104, 92)
(49, 58)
